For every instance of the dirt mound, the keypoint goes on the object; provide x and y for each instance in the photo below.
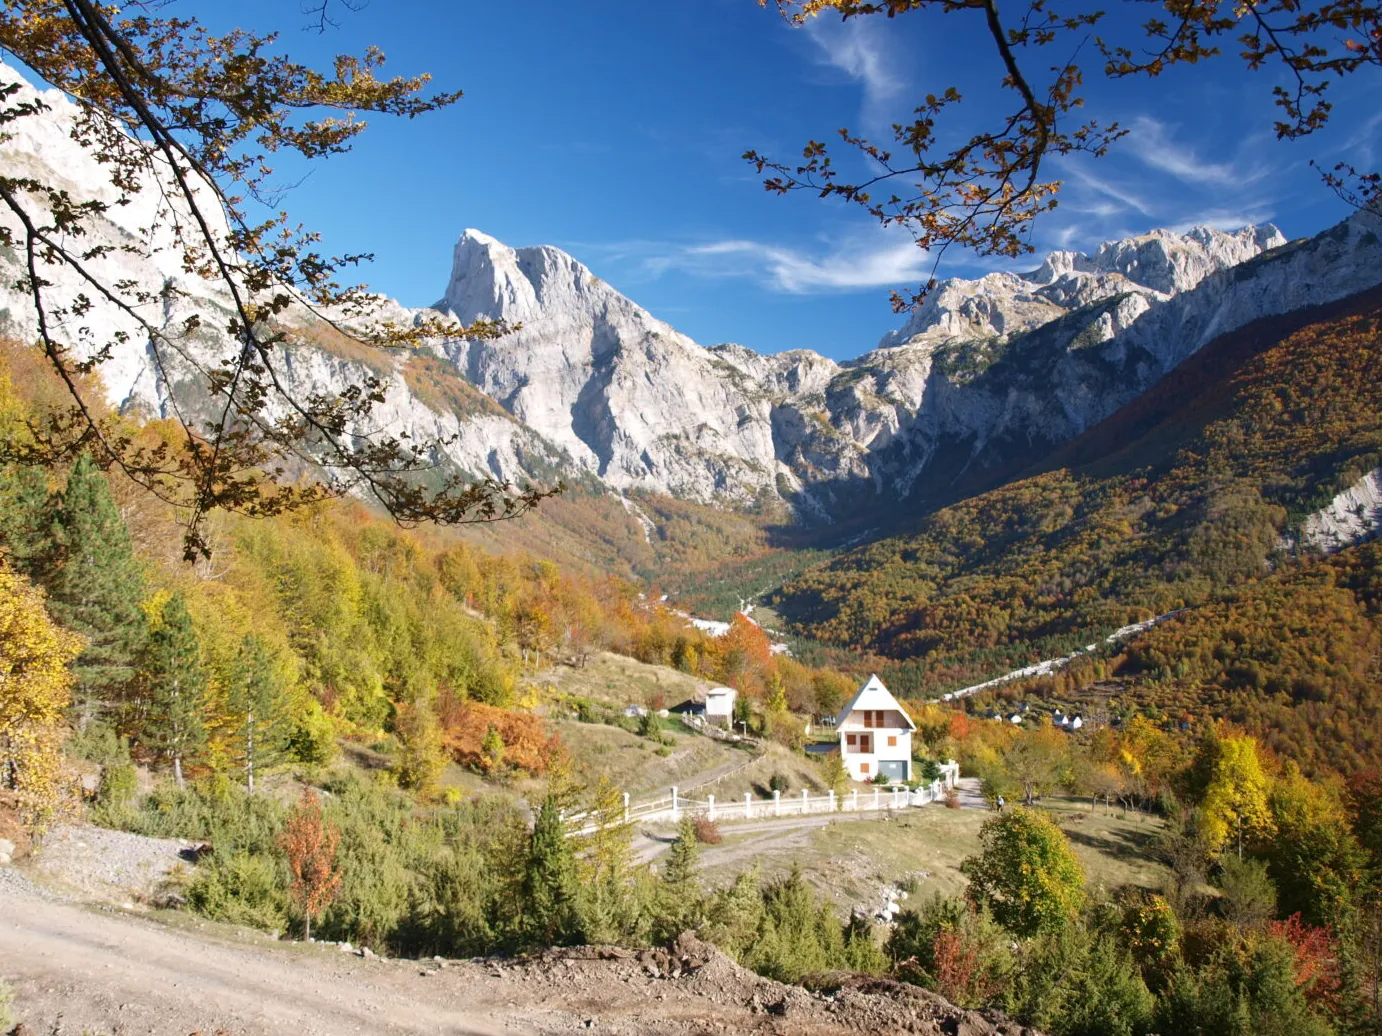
(697, 977)
(101, 864)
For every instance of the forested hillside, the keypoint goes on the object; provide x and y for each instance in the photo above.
(331, 622)
(1175, 500)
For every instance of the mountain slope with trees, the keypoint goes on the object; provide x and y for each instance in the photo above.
(1177, 498)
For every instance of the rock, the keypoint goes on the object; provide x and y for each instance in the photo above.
(367, 953)
(1351, 517)
(993, 368)
(345, 947)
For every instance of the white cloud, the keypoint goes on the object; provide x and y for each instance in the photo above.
(1151, 142)
(854, 263)
(851, 267)
(859, 48)
(1126, 200)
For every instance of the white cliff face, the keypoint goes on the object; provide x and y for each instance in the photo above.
(1156, 266)
(1352, 517)
(632, 400)
(986, 372)
(984, 364)
(42, 147)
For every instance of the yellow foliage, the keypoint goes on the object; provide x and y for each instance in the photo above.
(35, 689)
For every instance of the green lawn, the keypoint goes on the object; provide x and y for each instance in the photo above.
(852, 860)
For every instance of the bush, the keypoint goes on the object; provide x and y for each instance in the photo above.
(777, 782)
(98, 743)
(118, 786)
(708, 832)
(1249, 896)
(242, 889)
(952, 948)
(313, 740)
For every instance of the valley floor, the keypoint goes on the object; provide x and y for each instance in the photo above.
(75, 969)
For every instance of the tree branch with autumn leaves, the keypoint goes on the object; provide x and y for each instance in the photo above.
(985, 192)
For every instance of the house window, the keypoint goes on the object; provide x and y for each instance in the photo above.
(892, 741)
(849, 739)
(863, 767)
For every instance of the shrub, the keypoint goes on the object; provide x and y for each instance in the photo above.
(1026, 873)
(313, 740)
(241, 889)
(777, 782)
(1249, 896)
(708, 832)
(953, 948)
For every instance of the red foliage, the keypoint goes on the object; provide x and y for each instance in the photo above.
(959, 968)
(1317, 958)
(310, 844)
(527, 745)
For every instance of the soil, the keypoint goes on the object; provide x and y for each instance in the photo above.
(76, 969)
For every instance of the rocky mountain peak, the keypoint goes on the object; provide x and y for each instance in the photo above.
(989, 369)
(1158, 264)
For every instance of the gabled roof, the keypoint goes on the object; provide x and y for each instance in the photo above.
(873, 695)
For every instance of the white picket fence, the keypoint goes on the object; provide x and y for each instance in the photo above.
(671, 808)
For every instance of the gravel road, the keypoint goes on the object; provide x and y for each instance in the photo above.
(78, 970)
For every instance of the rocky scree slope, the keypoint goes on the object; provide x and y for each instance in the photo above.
(989, 374)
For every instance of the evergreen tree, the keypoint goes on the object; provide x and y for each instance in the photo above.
(679, 893)
(95, 587)
(260, 707)
(551, 888)
(173, 685)
(26, 520)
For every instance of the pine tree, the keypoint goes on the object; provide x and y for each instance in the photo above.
(96, 586)
(680, 903)
(260, 707)
(551, 887)
(26, 532)
(173, 686)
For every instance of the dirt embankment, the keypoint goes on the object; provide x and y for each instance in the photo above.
(75, 969)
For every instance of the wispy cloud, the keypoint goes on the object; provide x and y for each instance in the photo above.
(1154, 145)
(854, 263)
(859, 47)
(1123, 198)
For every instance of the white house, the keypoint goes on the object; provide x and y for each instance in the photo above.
(719, 705)
(875, 734)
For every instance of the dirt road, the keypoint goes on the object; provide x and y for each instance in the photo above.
(75, 970)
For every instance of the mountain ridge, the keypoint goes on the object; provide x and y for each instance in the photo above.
(987, 373)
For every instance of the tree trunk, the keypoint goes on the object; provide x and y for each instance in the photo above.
(306, 927)
(249, 753)
(177, 771)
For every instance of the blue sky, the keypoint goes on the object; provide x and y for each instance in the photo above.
(614, 129)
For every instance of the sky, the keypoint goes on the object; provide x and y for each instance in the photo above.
(614, 129)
